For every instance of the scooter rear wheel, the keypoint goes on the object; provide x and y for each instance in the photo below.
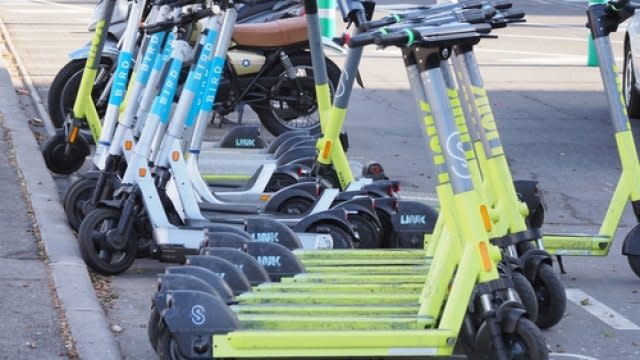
(341, 238)
(61, 160)
(95, 238)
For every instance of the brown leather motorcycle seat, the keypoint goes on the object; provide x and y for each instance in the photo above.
(274, 33)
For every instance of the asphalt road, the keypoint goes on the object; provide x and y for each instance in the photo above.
(553, 119)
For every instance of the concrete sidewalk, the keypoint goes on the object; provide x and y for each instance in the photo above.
(29, 286)
(29, 325)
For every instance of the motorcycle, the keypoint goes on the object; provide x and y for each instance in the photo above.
(281, 94)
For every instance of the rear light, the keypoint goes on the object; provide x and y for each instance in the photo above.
(373, 204)
(318, 189)
(346, 215)
(300, 171)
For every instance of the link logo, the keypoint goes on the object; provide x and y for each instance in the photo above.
(269, 261)
(413, 219)
(243, 142)
(198, 315)
(266, 237)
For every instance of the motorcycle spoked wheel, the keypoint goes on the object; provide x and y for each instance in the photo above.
(64, 89)
(291, 103)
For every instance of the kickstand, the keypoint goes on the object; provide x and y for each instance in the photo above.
(560, 264)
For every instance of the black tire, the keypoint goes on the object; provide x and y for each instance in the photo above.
(527, 294)
(58, 160)
(75, 199)
(552, 299)
(369, 234)
(526, 343)
(166, 345)
(95, 250)
(629, 85)
(341, 237)
(153, 328)
(64, 89)
(634, 263)
(296, 205)
(283, 119)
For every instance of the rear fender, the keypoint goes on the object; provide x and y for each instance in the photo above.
(192, 317)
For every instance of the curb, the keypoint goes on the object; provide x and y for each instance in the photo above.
(87, 321)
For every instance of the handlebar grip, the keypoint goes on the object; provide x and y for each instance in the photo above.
(385, 21)
(512, 14)
(473, 16)
(400, 38)
(176, 2)
(501, 4)
(362, 39)
(617, 4)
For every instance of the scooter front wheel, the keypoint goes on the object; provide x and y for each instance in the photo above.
(166, 347)
(76, 201)
(62, 157)
(552, 299)
(103, 249)
(527, 294)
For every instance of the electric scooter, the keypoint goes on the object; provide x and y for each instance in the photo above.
(138, 201)
(349, 336)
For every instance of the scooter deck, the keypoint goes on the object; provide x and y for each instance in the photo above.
(328, 310)
(310, 298)
(342, 343)
(294, 322)
(355, 278)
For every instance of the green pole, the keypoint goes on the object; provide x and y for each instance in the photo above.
(592, 56)
(327, 14)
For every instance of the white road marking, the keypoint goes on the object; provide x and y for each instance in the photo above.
(600, 310)
(69, 6)
(554, 356)
(559, 38)
(50, 11)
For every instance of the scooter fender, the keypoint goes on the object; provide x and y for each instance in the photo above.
(363, 205)
(208, 276)
(293, 142)
(411, 221)
(631, 244)
(531, 261)
(306, 190)
(276, 259)
(381, 188)
(275, 144)
(173, 282)
(227, 271)
(113, 204)
(272, 231)
(250, 267)
(295, 154)
(91, 174)
(219, 227)
(507, 316)
(192, 317)
(529, 192)
(337, 217)
(110, 51)
(243, 137)
(226, 239)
